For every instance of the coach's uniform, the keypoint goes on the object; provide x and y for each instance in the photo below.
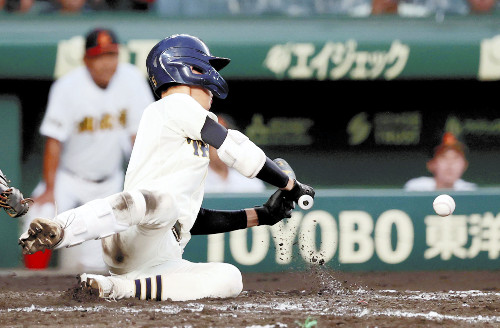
(95, 127)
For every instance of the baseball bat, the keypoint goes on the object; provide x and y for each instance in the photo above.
(305, 201)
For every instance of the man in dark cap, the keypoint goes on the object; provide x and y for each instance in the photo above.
(90, 124)
(447, 166)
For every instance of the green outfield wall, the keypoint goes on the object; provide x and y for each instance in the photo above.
(348, 102)
(321, 48)
(10, 164)
(366, 98)
(362, 230)
(346, 230)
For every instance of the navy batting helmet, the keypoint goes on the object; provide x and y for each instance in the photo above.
(171, 59)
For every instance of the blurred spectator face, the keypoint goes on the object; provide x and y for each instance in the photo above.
(102, 67)
(384, 7)
(21, 6)
(72, 6)
(481, 6)
(447, 167)
(25, 5)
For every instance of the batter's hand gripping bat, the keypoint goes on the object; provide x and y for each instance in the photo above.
(305, 201)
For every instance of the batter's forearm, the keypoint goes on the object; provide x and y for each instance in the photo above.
(252, 218)
(272, 174)
(210, 222)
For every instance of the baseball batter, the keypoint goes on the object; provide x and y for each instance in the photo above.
(144, 228)
(91, 120)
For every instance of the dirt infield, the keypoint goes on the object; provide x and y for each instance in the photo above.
(315, 298)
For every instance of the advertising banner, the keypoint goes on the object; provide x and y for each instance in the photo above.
(362, 230)
(272, 48)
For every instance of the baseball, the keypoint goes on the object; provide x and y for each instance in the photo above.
(444, 205)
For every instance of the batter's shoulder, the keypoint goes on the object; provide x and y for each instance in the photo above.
(153, 108)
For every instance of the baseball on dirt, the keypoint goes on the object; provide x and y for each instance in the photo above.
(444, 205)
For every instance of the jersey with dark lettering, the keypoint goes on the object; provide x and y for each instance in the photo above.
(170, 155)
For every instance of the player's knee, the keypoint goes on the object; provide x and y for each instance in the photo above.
(160, 208)
(129, 207)
(236, 281)
(144, 207)
(160, 205)
(230, 279)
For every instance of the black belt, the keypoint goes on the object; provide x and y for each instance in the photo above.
(176, 230)
(101, 180)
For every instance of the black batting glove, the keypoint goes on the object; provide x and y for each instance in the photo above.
(275, 209)
(298, 190)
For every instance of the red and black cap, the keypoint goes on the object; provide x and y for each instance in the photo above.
(100, 41)
(449, 141)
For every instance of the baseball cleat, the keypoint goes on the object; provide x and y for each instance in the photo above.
(107, 287)
(96, 283)
(42, 234)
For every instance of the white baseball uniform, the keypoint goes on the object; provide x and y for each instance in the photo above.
(169, 161)
(164, 185)
(168, 157)
(95, 127)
